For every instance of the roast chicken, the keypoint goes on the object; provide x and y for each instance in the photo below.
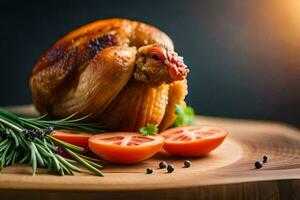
(120, 73)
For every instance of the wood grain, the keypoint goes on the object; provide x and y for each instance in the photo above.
(227, 173)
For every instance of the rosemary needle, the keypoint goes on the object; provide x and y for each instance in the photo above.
(83, 162)
(28, 140)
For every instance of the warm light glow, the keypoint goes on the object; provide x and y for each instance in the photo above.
(287, 20)
(273, 33)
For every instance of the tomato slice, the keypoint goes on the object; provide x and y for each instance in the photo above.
(125, 147)
(74, 137)
(192, 141)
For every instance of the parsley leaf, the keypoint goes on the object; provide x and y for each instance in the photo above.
(149, 129)
(185, 116)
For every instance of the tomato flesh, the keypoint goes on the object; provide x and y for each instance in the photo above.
(74, 137)
(193, 141)
(125, 147)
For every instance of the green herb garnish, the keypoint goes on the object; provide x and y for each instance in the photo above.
(28, 140)
(185, 116)
(149, 129)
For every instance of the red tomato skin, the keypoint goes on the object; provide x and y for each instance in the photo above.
(77, 139)
(194, 149)
(123, 154)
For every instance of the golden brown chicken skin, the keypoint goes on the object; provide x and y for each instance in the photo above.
(123, 74)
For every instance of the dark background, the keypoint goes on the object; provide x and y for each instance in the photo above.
(244, 56)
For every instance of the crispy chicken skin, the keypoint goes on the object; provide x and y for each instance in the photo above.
(122, 73)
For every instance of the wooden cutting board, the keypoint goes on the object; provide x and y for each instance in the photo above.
(227, 173)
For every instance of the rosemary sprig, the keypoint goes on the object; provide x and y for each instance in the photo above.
(71, 122)
(28, 140)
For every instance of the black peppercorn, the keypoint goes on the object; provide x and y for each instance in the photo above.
(58, 149)
(170, 168)
(187, 163)
(258, 164)
(149, 170)
(162, 165)
(265, 158)
(49, 130)
(6, 135)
